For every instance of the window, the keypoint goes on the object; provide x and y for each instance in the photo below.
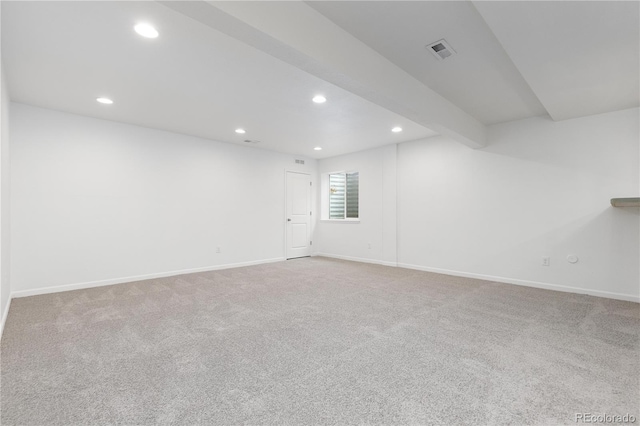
(343, 195)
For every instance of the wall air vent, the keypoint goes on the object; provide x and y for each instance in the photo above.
(299, 161)
(441, 49)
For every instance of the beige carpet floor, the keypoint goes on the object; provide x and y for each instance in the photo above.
(317, 341)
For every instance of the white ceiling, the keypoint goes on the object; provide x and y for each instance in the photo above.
(221, 65)
(191, 79)
(579, 57)
(515, 59)
(480, 78)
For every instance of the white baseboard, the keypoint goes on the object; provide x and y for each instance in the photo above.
(100, 283)
(535, 284)
(356, 259)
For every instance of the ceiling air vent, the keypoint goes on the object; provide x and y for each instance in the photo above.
(441, 49)
(299, 161)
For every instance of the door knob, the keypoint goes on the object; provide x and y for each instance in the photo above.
(288, 219)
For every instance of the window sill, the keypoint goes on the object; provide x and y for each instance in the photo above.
(340, 220)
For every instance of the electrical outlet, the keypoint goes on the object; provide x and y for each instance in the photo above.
(546, 261)
(217, 249)
(369, 246)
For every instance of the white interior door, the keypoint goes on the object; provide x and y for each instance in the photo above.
(298, 215)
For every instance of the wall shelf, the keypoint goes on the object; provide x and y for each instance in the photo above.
(626, 202)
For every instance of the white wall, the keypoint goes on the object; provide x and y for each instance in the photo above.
(377, 204)
(96, 202)
(541, 188)
(5, 286)
(5, 289)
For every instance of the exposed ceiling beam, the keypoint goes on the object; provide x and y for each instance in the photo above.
(300, 36)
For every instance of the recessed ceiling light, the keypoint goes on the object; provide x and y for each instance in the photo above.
(319, 99)
(146, 30)
(318, 148)
(396, 129)
(241, 131)
(105, 101)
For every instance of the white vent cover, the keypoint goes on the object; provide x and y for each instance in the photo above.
(299, 161)
(441, 49)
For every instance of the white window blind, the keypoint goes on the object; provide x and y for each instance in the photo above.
(343, 196)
